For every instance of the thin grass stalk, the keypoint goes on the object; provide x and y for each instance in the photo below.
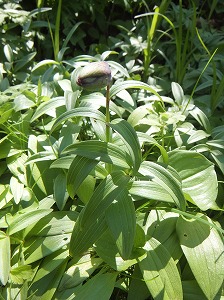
(57, 31)
(108, 130)
(147, 51)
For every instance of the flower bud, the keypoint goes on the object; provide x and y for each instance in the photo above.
(94, 76)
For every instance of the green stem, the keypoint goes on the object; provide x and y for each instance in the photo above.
(57, 31)
(108, 131)
(108, 114)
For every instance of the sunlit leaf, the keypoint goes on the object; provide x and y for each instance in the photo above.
(78, 171)
(160, 272)
(101, 151)
(130, 138)
(164, 178)
(5, 255)
(121, 220)
(45, 107)
(91, 222)
(198, 176)
(99, 286)
(22, 220)
(78, 112)
(204, 250)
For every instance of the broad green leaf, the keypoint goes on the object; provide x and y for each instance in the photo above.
(16, 189)
(62, 162)
(118, 67)
(137, 288)
(130, 139)
(79, 271)
(198, 175)
(160, 272)
(192, 290)
(201, 117)
(164, 178)
(101, 151)
(68, 135)
(65, 84)
(150, 190)
(121, 220)
(99, 286)
(60, 192)
(203, 248)
(22, 102)
(8, 53)
(45, 107)
(44, 63)
(197, 136)
(5, 255)
(219, 159)
(91, 224)
(49, 275)
(78, 112)
(178, 93)
(132, 84)
(78, 171)
(56, 223)
(19, 274)
(162, 226)
(37, 248)
(106, 248)
(22, 220)
(86, 188)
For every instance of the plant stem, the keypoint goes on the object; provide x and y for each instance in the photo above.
(57, 30)
(108, 114)
(108, 131)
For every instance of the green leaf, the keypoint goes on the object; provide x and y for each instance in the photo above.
(178, 93)
(201, 117)
(86, 189)
(131, 84)
(121, 220)
(99, 286)
(130, 139)
(78, 171)
(45, 107)
(22, 220)
(192, 290)
(78, 112)
(164, 178)
(37, 248)
(198, 175)
(107, 249)
(19, 274)
(91, 224)
(203, 248)
(146, 138)
(5, 255)
(79, 271)
(197, 136)
(44, 63)
(49, 275)
(16, 189)
(137, 288)
(160, 272)
(150, 190)
(60, 192)
(101, 151)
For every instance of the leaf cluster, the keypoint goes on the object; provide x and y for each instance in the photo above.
(125, 207)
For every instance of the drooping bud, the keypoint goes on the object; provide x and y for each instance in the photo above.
(94, 76)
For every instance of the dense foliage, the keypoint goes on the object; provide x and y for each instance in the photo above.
(116, 192)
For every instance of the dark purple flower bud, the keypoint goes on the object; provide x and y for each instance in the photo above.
(94, 76)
